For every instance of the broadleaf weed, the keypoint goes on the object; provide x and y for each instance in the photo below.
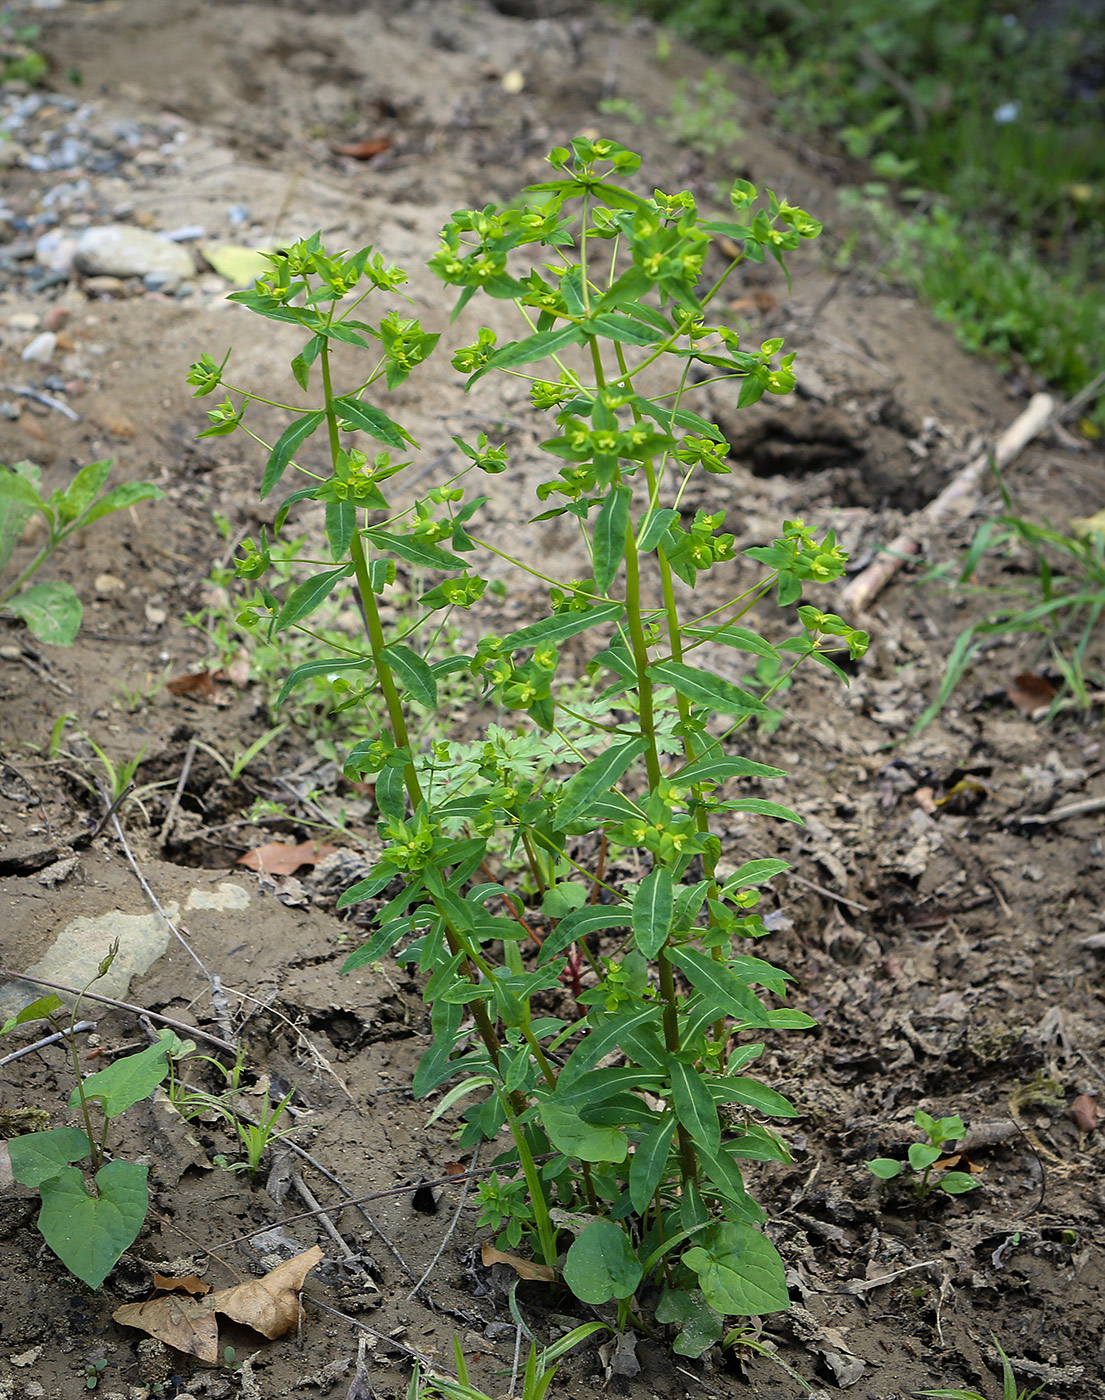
(556, 883)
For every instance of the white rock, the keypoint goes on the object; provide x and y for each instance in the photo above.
(121, 250)
(40, 351)
(54, 250)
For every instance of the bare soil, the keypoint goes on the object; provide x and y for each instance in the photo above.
(950, 950)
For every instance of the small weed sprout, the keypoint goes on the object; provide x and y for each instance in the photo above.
(1009, 1390)
(923, 1158)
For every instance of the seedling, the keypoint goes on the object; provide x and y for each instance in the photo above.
(924, 1158)
(578, 835)
(94, 1372)
(88, 1226)
(52, 610)
(538, 1375)
(1009, 1389)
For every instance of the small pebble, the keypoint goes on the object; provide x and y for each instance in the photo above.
(41, 350)
(24, 321)
(107, 584)
(109, 287)
(56, 317)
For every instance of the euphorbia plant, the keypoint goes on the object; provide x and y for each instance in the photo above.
(619, 1099)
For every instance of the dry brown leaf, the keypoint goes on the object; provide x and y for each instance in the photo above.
(196, 685)
(524, 1268)
(188, 1324)
(1030, 692)
(1086, 1112)
(278, 858)
(363, 150)
(269, 1305)
(188, 1284)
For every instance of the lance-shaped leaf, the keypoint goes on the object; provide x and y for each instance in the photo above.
(414, 672)
(652, 911)
(609, 538)
(721, 986)
(594, 779)
(560, 626)
(525, 352)
(715, 770)
(323, 667)
(374, 422)
(705, 688)
(293, 435)
(309, 595)
(646, 1170)
(693, 1105)
(414, 550)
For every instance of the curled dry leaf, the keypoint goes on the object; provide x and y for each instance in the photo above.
(188, 1284)
(524, 1268)
(1086, 1112)
(1030, 692)
(278, 858)
(363, 150)
(269, 1305)
(196, 685)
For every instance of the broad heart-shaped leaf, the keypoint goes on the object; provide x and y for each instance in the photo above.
(310, 594)
(51, 610)
(601, 1264)
(283, 450)
(652, 911)
(608, 540)
(128, 1080)
(699, 1325)
(704, 688)
(35, 1011)
(87, 1233)
(35, 1157)
(720, 985)
(374, 422)
(418, 680)
(739, 1271)
(590, 1142)
(560, 626)
(594, 778)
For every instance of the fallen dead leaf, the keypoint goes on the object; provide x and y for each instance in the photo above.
(269, 1305)
(1030, 692)
(1086, 1112)
(187, 1324)
(363, 150)
(188, 1284)
(279, 858)
(196, 685)
(524, 1268)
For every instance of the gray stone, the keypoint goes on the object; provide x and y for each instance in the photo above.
(121, 250)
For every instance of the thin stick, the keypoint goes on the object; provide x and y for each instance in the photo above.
(324, 1220)
(174, 803)
(419, 1356)
(47, 1040)
(121, 1006)
(452, 1226)
(46, 399)
(953, 503)
(1061, 814)
(373, 1196)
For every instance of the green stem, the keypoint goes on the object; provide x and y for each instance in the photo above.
(546, 1231)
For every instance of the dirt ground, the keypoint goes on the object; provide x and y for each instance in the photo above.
(950, 950)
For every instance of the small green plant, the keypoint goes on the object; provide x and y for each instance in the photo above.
(1009, 1390)
(702, 114)
(923, 1157)
(88, 1225)
(556, 882)
(52, 610)
(538, 1375)
(234, 767)
(20, 60)
(94, 1372)
(1062, 607)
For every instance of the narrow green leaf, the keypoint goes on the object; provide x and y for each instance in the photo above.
(308, 596)
(581, 922)
(602, 1039)
(128, 493)
(595, 778)
(341, 525)
(82, 490)
(391, 792)
(18, 502)
(656, 527)
(322, 667)
(534, 347)
(693, 1105)
(625, 329)
(374, 422)
(755, 872)
(725, 1176)
(705, 688)
(609, 537)
(88, 1234)
(739, 638)
(652, 911)
(382, 941)
(646, 1170)
(765, 809)
(714, 770)
(561, 626)
(721, 986)
(414, 672)
(735, 1088)
(34, 1011)
(286, 444)
(413, 550)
